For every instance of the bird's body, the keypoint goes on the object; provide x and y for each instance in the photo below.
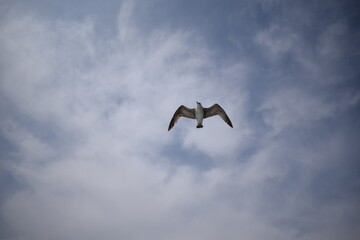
(199, 113)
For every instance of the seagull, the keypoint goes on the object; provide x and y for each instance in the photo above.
(199, 113)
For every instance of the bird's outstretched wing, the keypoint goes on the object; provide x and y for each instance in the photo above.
(217, 110)
(182, 111)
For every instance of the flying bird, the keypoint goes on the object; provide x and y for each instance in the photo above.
(199, 113)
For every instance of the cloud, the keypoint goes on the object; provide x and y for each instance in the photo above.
(87, 144)
(299, 108)
(95, 161)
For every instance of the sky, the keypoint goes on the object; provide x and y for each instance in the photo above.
(88, 88)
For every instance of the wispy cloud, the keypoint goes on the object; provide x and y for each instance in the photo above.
(91, 100)
(95, 161)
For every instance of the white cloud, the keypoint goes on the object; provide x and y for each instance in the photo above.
(303, 73)
(89, 150)
(321, 56)
(302, 108)
(295, 108)
(30, 148)
(108, 178)
(276, 40)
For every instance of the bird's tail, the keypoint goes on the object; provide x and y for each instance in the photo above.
(199, 126)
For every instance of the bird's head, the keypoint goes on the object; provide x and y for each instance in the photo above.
(198, 103)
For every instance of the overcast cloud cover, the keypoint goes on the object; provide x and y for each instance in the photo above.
(84, 157)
